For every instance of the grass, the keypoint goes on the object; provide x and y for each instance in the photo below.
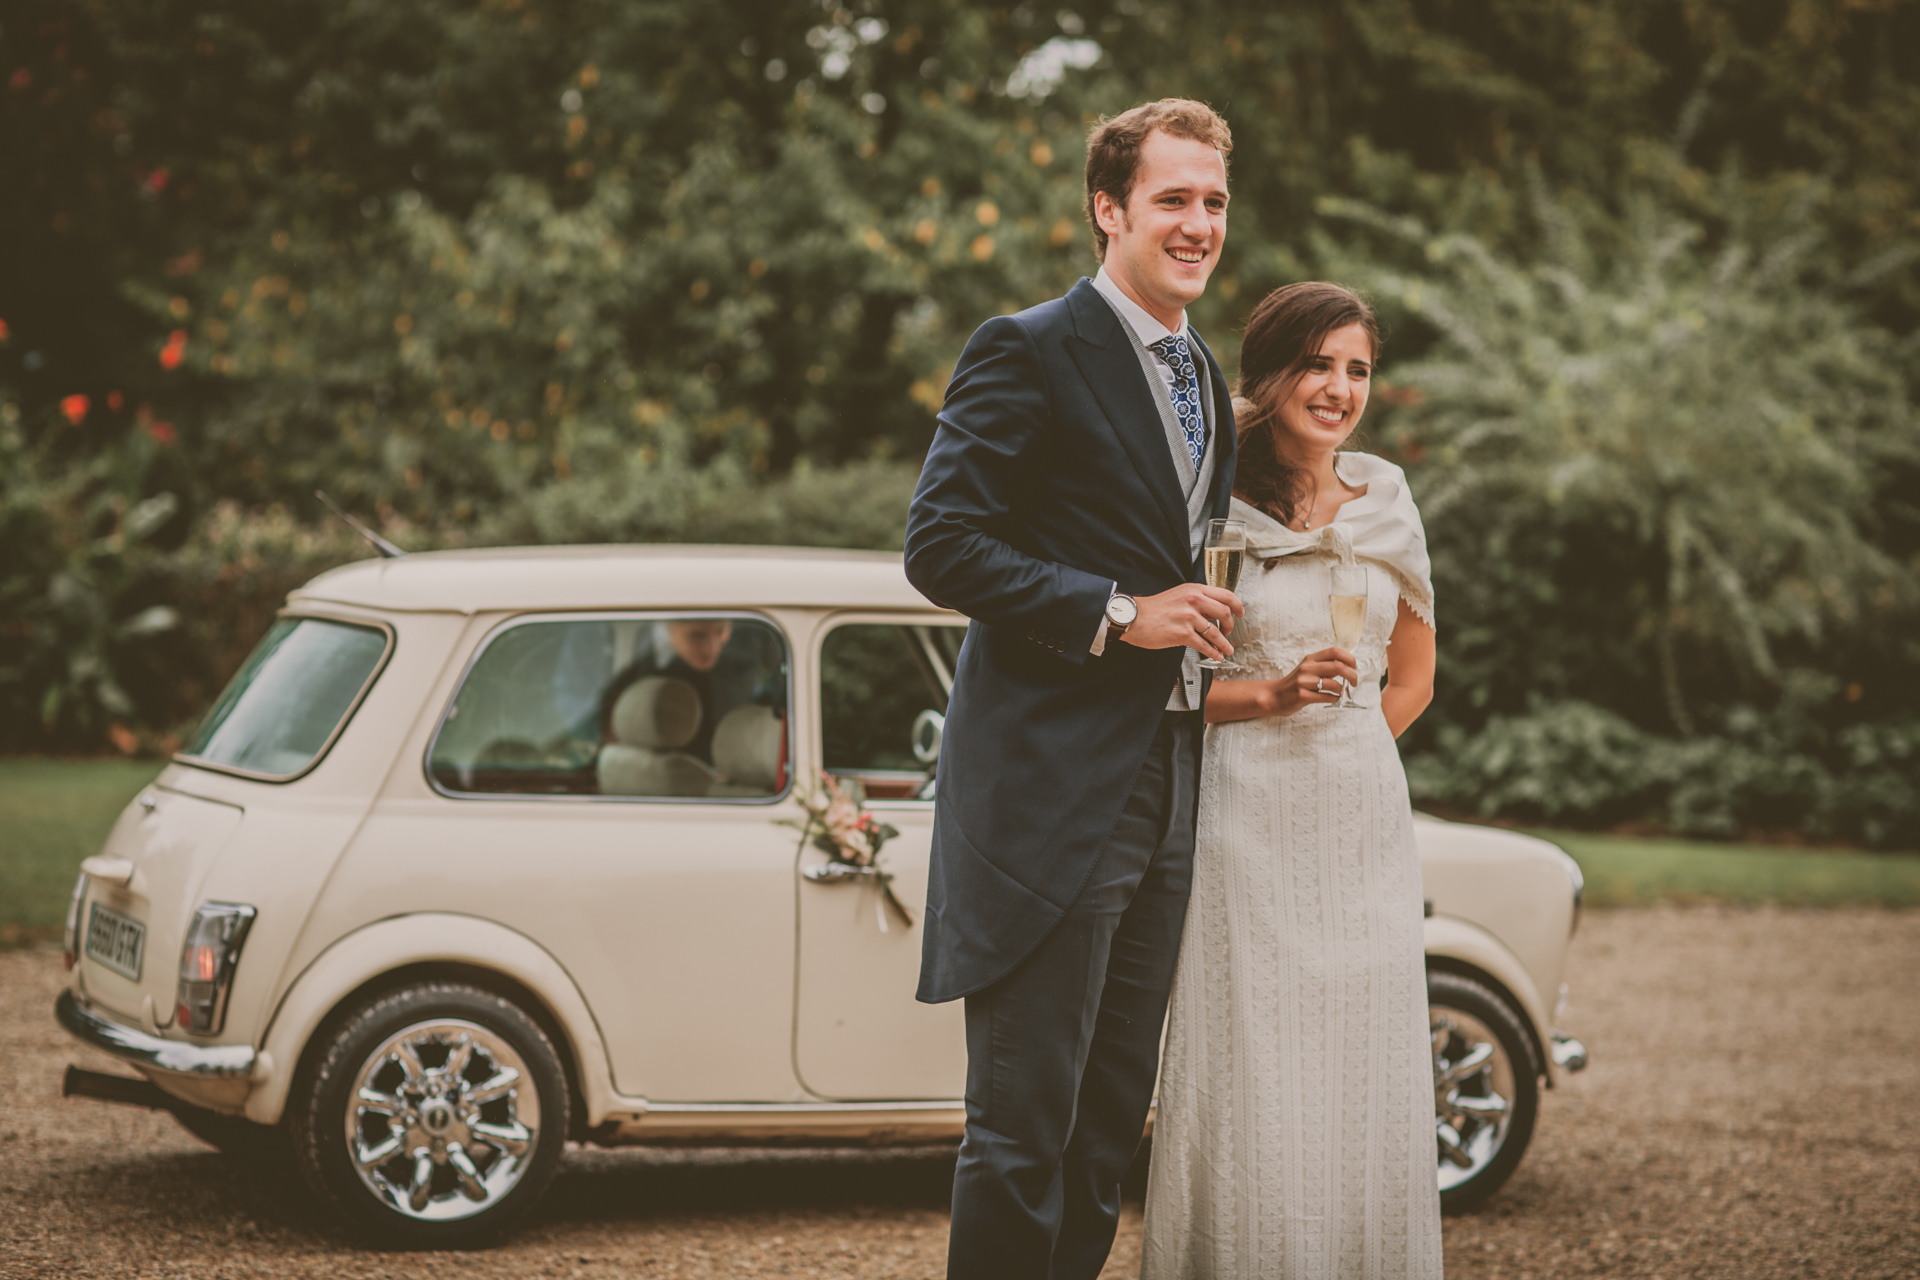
(1625, 870)
(53, 813)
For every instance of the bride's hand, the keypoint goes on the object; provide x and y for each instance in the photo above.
(1317, 680)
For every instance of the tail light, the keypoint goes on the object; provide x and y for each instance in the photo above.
(70, 942)
(207, 962)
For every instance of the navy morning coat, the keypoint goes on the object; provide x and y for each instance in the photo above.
(1049, 478)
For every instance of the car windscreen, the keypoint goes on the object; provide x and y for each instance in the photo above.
(290, 698)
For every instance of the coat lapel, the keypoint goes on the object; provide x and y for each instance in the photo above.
(1226, 440)
(1107, 362)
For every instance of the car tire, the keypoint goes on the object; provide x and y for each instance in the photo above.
(235, 1137)
(433, 1116)
(1486, 1088)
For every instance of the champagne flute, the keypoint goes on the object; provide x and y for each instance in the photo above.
(1347, 602)
(1226, 550)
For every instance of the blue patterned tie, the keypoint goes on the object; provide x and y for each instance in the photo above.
(1186, 394)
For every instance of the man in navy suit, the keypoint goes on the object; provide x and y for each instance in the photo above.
(1083, 446)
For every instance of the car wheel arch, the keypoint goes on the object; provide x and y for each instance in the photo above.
(508, 988)
(1453, 946)
(392, 952)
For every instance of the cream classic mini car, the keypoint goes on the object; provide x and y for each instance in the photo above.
(482, 852)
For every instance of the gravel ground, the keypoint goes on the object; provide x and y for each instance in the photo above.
(1753, 1111)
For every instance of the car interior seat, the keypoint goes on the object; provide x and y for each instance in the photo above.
(749, 750)
(652, 720)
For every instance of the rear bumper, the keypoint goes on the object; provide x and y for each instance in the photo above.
(143, 1050)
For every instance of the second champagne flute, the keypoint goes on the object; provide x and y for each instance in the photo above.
(1225, 551)
(1347, 602)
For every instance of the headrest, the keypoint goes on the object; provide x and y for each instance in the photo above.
(746, 747)
(641, 771)
(658, 713)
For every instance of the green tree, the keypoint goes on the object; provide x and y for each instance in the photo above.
(1656, 482)
(1678, 447)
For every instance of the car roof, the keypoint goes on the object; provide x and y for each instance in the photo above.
(616, 577)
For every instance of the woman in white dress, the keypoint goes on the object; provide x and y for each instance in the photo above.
(1295, 1133)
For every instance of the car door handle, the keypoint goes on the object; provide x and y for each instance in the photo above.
(838, 873)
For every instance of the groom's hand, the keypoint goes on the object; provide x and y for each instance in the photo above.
(1190, 615)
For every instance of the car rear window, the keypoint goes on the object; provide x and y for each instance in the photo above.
(287, 702)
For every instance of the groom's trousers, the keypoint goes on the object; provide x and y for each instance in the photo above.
(1062, 1053)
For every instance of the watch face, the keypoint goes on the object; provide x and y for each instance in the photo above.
(1121, 610)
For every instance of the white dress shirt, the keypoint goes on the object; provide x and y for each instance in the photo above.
(1186, 691)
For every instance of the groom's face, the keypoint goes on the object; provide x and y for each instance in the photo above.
(1165, 241)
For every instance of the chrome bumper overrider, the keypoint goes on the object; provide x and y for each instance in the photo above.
(1568, 1054)
(151, 1051)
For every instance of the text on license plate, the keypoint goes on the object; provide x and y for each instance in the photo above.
(115, 941)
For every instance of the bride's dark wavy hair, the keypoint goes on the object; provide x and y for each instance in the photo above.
(1283, 334)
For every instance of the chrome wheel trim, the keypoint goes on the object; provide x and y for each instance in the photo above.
(442, 1120)
(1473, 1093)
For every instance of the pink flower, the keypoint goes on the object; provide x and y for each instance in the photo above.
(848, 825)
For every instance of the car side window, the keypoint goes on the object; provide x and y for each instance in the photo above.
(883, 699)
(683, 707)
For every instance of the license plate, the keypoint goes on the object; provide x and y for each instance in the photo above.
(116, 941)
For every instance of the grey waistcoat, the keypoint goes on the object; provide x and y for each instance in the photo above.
(1196, 485)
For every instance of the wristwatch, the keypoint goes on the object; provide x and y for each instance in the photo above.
(1121, 611)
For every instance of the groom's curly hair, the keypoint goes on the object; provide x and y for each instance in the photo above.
(1113, 148)
(1284, 332)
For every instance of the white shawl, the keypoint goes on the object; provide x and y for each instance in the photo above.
(1382, 527)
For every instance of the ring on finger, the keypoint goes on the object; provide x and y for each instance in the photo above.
(1320, 685)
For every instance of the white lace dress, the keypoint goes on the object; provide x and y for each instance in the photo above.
(1295, 1128)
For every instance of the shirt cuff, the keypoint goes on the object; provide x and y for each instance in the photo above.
(1099, 645)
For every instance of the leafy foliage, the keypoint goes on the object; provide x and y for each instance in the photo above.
(87, 630)
(1674, 451)
(1654, 473)
(1571, 763)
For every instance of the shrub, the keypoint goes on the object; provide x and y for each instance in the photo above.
(89, 631)
(1568, 763)
(1575, 764)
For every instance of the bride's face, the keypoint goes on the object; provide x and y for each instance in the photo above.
(1324, 405)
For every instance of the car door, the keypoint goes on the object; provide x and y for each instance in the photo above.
(574, 798)
(880, 685)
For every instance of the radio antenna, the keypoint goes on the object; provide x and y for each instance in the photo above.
(380, 544)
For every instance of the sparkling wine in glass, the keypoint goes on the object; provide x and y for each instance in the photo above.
(1347, 602)
(1224, 552)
